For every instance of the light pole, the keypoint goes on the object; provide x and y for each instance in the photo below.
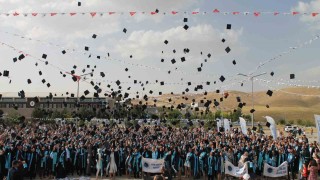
(251, 77)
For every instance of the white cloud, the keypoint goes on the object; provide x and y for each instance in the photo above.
(309, 7)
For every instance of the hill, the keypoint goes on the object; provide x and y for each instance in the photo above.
(283, 104)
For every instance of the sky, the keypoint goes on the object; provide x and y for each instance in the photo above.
(252, 40)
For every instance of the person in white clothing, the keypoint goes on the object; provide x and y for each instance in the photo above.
(99, 163)
(112, 166)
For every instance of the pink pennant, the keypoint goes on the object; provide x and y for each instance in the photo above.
(153, 13)
(72, 14)
(235, 13)
(53, 14)
(256, 14)
(275, 13)
(93, 14)
(34, 14)
(295, 13)
(132, 13)
(174, 12)
(15, 14)
(195, 12)
(314, 14)
(216, 11)
(110, 13)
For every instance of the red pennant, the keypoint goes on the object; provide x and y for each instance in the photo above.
(216, 11)
(132, 13)
(314, 14)
(15, 14)
(93, 14)
(110, 13)
(174, 12)
(72, 14)
(275, 13)
(53, 14)
(256, 14)
(34, 14)
(295, 13)
(195, 12)
(235, 13)
(153, 13)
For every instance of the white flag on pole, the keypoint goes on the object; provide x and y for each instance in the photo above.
(226, 125)
(243, 125)
(317, 118)
(273, 127)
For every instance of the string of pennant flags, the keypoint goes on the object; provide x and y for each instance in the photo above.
(287, 83)
(157, 12)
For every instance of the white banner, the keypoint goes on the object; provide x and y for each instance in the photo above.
(243, 125)
(152, 165)
(273, 127)
(279, 171)
(317, 118)
(226, 124)
(235, 171)
(218, 124)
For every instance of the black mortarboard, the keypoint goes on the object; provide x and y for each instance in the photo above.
(162, 60)
(267, 106)
(86, 92)
(79, 3)
(40, 73)
(268, 124)
(228, 49)
(269, 92)
(160, 93)
(72, 95)
(46, 63)
(173, 61)
(228, 26)
(252, 110)
(86, 48)
(217, 91)
(36, 64)
(5, 73)
(292, 76)
(102, 74)
(29, 81)
(208, 82)
(124, 30)
(183, 59)
(118, 82)
(240, 105)
(254, 128)
(185, 19)
(223, 40)
(64, 51)
(186, 27)
(43, 81)
(15, 59)
(21, 57)
(238, 99)
(74, 78)
(234, 62)
(126, 69)
(48, 85)
(162, 83)
(221, 99)
(222, 78)
(44, 56)
(166, 41)
(216, 103)
(272, 73)
(21, 94)
(94, 36)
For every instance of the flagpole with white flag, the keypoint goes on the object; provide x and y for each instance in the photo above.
(243, 125)
(273, 127)
(317, 119)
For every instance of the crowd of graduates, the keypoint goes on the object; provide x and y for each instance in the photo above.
(59, 151)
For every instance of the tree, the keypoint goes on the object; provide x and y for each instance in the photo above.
(56, 114)
(65, 113)
(13, 116)
(1, 113)
(235, 115)
(86, 113)
(217, 114)
(174, 114)
(38, 113)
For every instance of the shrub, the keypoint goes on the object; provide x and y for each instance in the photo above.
(282, 121)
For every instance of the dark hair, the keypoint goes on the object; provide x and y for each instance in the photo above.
(313, 163)
(158, 177)
(15, 163)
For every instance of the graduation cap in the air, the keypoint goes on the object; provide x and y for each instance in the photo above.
(15, 59)
(254, 128)
(228, 49)
(267, 106)
(238, 99)
(21, 94)
(124, 30)
(40, 73)
(94, 36)
(86, 92)
(162, 83)
(6, 73)
(208, 83)
(21, 57)
(292, 76)
(186, 27)
(268, 124)
(79, 3)
(234, 62)
(252, 110)
(217, 91)
(223, 40)
(44, 56)
(216, 103)
(228, 26)
(126, 69)
(240, 105)
(64, 52)
(272, 73)
(46, 63)
(269, 92)
(102, 74)
(86, 48)
(185, 19)
(29, 81)
(48, 85)
(166, 41)
(183, 59)
(173, 61)
(199, 69)
(222, 78)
